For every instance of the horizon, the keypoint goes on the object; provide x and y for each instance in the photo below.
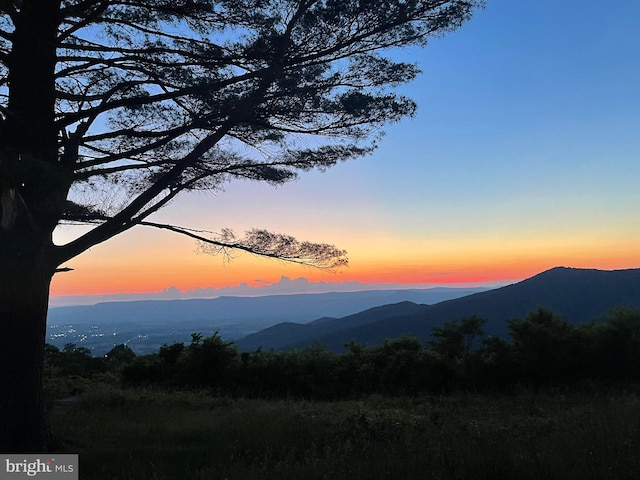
(285, 286)
(522, 157)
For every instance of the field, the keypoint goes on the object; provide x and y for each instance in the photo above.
(148, 434)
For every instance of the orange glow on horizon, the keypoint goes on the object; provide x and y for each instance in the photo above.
(148, 263)
(205, 273)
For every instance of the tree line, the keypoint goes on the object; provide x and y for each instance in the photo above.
(542, 350)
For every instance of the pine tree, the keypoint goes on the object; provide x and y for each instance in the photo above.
(145, 100)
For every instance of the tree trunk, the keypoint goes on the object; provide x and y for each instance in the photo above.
(24, 293)
(33, 188)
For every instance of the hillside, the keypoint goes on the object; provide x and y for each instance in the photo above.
(578, 295)
(285, 334)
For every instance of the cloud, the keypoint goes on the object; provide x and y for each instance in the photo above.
(284, 286)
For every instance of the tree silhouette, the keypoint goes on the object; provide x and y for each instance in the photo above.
(110, 109)
(454, 340)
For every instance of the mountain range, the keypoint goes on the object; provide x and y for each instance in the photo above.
(145, 325)
(578, 295)
(334, 319)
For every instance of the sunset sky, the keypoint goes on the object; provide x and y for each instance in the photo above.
(524, 155)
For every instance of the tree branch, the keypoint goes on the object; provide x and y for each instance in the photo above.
(265, 244)
(123, 220)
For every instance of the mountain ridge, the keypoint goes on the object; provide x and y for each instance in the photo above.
(145, 325)
(579, 295)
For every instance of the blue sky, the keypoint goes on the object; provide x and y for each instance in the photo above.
(524, 155)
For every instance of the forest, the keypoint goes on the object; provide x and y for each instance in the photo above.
(553, 400)
(542, 351)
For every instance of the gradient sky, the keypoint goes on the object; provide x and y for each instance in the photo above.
(524, 155)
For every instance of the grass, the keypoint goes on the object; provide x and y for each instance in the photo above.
(140, 434)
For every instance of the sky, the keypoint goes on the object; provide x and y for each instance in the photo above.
(524, 155)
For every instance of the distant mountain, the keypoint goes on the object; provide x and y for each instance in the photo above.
(145, 325)
(578, 295)
(296, 334)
